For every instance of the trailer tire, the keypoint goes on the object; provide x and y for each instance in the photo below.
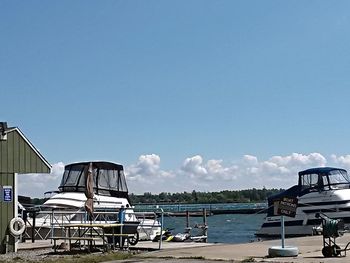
(327, 251)
(21, 226)
(134, 239)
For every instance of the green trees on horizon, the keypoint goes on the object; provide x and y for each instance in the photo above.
(194, 197)
(249, 195)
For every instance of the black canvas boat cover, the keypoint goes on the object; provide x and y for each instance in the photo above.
(108, 178)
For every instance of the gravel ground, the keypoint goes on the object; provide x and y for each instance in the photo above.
(30, 255)
(167, 260)
(38, 255)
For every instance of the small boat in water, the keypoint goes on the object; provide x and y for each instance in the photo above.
(320, 190)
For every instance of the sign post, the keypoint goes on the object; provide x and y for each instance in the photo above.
(282, 230)
(287, 206)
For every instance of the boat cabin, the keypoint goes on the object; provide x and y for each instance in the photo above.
(324, 178)
(108, 179)
(313, 180)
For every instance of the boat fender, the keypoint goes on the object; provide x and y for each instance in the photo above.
(21, 226)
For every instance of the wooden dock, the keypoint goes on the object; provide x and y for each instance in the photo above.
(239, 211)
(190, 213)
(217, 212)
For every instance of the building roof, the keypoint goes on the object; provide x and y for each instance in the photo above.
(4, 130)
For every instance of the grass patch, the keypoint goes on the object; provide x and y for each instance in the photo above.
(95, 258)
(189, 257)
(194, 257)
(81, 258)
(250, 259)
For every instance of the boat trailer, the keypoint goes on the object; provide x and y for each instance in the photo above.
(331, 229)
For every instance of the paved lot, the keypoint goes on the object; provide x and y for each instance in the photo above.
(309, 251)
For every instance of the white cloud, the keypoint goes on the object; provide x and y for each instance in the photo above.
(193, 166)
(250, 159)
(196, 173)
(36, 185)
(249, 172)
(297, 160)
(281, 171)
(147, 168)
(343, 160)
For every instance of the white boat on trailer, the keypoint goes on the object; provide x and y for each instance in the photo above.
(320, 190)
(67, 205)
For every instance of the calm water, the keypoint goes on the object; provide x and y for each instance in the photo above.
(230, 228)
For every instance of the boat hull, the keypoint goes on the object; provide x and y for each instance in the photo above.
(334, 203)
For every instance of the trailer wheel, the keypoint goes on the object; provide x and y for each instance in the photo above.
(327, 251)
(134, 239)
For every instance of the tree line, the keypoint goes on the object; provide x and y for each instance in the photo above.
(240, 196)
(194, 197)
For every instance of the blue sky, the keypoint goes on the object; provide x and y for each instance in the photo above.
(182, 93)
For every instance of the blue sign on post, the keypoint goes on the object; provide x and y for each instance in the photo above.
(7, 193)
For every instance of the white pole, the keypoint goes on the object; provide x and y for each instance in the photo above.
(15, 201)
(161, 228)
(282, 230)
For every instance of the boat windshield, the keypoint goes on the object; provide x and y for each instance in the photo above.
(322, 179)
(108, 178)
(338, 179)
(309, 180)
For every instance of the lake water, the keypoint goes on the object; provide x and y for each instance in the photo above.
(230, 228)
(225, 228)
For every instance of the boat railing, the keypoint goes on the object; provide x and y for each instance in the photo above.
(41, 225)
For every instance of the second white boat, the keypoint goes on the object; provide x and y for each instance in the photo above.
(320, 190)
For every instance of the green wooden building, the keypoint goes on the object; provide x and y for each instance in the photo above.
(17, 156)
